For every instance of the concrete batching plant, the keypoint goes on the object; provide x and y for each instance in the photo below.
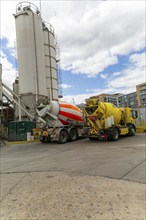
(36, 57)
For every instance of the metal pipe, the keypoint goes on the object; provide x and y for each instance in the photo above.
(19, 108)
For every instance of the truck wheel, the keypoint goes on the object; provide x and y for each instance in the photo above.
(63, 136)
(93, 138)
(115, 135)
(73, 134)
(44, 140)
(131, 130)
(109, 138)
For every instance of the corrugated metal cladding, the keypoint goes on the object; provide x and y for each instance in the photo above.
(36, 55)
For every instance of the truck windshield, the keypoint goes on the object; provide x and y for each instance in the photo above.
(134, 113)
(90, 110)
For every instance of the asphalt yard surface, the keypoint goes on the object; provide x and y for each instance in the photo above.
(77, 180)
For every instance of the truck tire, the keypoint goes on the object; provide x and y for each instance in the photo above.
(109, 138)
(93, 138)
(115, 135)
(73, 134)
(44, 140)
(131, 129)
(63, 136)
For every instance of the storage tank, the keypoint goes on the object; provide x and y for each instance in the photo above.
(50, 61)
(30, 49)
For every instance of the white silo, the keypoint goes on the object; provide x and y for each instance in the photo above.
(50, 61)
(30, 49)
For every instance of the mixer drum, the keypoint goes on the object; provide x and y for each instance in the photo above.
(69, 113)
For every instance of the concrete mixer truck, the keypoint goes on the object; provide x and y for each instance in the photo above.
(106, 121)
(62, 122)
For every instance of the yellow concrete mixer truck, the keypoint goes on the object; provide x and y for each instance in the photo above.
(108, 122)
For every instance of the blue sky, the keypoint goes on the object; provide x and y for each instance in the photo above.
(81, 84)
(102, 45)
(8, 51)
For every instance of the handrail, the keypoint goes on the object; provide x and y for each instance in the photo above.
(27, 5)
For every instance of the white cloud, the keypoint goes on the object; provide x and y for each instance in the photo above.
(103, 76)
(93, 65)
(131, 76)
(116, 74)
(138, 60)
(80, 98)
(66, 86)
(8, 21)
(119, 82)
(8, 72)
(76, 99)
(91, 35)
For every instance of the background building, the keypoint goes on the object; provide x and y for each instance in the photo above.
(133, 100)
(129, 100)
(112, 98)
(141, 94)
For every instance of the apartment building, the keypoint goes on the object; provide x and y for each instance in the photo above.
(133, 100)
(128, 100)
(107, 98)
(141, 94)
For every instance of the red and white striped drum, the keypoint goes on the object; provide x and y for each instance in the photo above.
(63, 111)
(68, 113)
